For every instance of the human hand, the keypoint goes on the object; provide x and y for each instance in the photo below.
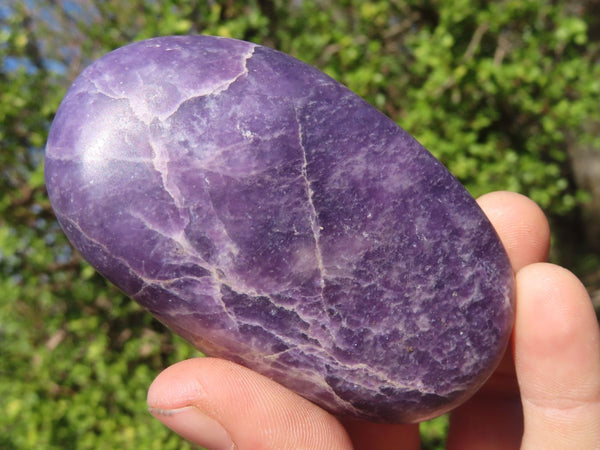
(544, 395)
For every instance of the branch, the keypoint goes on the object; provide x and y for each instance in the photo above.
(476, 40)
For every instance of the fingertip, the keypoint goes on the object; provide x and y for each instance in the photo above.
(196, 426)
(557, 358)
(174, 388)
(554, 311)
(521, 225)
(254, 411)
(175, 398)
(555, 320)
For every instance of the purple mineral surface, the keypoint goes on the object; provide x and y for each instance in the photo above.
(271, 217)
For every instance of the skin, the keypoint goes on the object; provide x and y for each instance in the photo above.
(545, 394)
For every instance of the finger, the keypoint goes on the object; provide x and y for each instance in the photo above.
(521, 225)
(493, 419)
(218, 404)
(557, 358)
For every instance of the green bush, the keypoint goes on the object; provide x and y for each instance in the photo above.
(494, 89)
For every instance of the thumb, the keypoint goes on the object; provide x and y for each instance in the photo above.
(557, 358)
(221, 405)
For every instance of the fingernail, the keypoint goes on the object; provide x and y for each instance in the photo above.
(190, 423)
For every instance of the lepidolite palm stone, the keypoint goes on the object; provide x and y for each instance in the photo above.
(270, 216)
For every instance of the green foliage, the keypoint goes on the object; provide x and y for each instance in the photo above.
(433, 433)
(507, 90)
(495, 89)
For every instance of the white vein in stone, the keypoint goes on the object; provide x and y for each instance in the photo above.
(99, 244)
(146, 113)
(314, 222)
(160, 162)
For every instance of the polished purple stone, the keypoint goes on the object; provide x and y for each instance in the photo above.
(270, 216)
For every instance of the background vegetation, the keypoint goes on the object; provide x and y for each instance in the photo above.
(505, 93)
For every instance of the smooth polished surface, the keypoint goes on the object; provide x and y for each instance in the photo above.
(270, 216)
